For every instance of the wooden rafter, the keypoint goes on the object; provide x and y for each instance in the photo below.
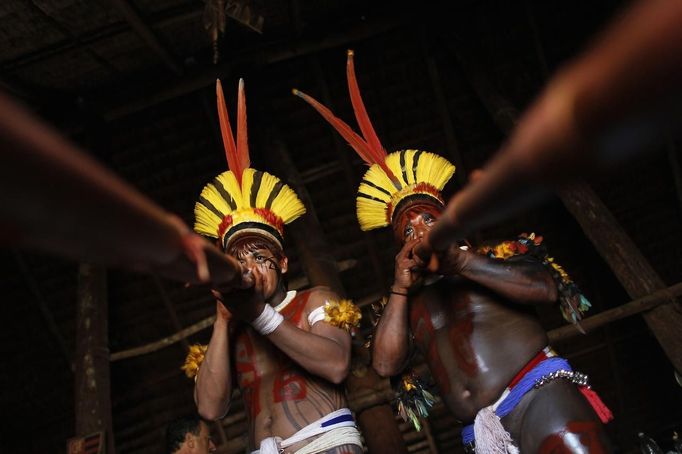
(160, 20)
(72, 38)
(252, 58)
(144, 31)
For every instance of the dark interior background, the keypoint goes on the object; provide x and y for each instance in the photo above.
(148, 113)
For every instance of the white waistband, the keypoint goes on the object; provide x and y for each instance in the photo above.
(344, 417)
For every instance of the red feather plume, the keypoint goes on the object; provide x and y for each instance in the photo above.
(373, 142)
(354, 140)
(237, 157)
(378, 152)
(242, 136)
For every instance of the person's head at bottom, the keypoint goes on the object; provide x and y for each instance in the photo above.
(188, 435)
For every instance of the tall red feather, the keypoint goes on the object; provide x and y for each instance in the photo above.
(354, 140)
(233, 160)
(361, 113)
(242, 136)
(361, 116)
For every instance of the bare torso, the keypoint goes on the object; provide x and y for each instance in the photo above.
(473, 340)
(280, 397)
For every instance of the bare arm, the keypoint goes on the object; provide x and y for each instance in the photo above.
(324, 351)
(390, 345)
(213, 388)
(519, 279)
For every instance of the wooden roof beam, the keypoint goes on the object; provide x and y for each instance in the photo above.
(253, 58)
(71, 37)
(145, 32)
(160, 20)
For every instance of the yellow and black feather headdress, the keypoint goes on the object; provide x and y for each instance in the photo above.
(391, 178)
(243, 200)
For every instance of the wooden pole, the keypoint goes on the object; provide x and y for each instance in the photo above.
(92, 385)
(165, 342)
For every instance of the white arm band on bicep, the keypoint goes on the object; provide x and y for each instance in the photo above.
(316, 315)
(267, 321)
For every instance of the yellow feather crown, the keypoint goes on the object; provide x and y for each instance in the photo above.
(417, 173)
(263, 203)
(243, 200)
(391, 178)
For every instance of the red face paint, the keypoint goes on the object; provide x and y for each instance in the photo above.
(408, 215)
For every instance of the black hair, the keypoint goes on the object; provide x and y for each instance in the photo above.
(178, 429)
(254, 243)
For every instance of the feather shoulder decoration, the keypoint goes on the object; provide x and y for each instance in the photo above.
(573, 303)
(342, 314)
(195, 356)
(412, 398)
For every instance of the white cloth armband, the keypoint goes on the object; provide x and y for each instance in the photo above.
(316, 315)
(267, 321)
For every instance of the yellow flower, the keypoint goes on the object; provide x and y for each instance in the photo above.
(343, 314)
(504, 250)
(195, 356)
(408, 383)
(564, 275)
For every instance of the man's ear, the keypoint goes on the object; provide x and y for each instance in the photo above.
(189, 440)
(284, 264)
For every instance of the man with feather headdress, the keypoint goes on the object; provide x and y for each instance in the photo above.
(288, 351)
(469, 312)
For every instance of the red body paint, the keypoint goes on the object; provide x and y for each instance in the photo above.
(424, 334)
(289, 386)
(295, 309)
(578, 436)
(249, 377)
(460, 338)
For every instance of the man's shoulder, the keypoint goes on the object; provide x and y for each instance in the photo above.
(318, 295)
